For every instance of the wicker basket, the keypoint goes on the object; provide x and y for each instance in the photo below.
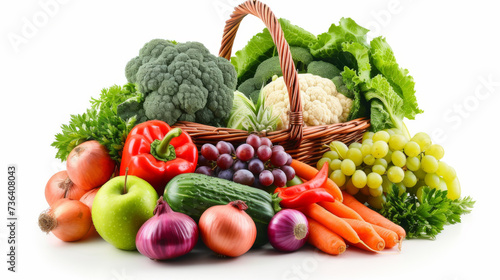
(306, 144)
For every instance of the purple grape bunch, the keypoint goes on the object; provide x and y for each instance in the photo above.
(257, 162)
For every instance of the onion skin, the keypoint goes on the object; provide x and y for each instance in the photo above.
(288, 230)
(88, 199)
(167, 234)
(60, 186)
(227, 229)
(69, 220)
(89, 165)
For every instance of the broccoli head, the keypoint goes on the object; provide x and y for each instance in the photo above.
(182, 82)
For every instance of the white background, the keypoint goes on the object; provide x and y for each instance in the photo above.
(70, 50)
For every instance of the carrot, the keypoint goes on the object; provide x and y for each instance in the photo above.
(390, 237)
(362, 246)
(341, 210)
(367, 234)
(371, 216)
(325, 239)
(307, 172)
(330, 221)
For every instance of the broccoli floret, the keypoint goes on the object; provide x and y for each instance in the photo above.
(183, 82)
(323, 69)
(271, 66)
(251, 88)
(267, 69)
(132, 107)
(301, 57)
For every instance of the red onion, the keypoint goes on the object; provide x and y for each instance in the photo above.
(167, 234)
(288, 230)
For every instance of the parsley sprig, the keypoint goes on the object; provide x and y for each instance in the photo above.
(424, 218)
(99, 122)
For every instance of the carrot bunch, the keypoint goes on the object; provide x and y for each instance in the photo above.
(346, 221)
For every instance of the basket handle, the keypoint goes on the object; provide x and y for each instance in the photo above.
(290, 75)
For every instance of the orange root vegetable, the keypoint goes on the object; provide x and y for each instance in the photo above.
(324, 239)
(340, 210)
(68, 220)
(362, 246)
(307, 172)
(372, 216)
(391, 238)
(367, 234)
(332, 222)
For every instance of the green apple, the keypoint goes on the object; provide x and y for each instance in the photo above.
(119, 212)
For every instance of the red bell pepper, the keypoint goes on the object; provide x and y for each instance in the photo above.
(306, 193)
(156, 153)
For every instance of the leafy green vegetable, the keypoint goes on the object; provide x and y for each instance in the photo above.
(386, 105)
(261, 47)
(424, 218)
(100, 122)
(329, 47)
(384, 60)
(370, 74)
(360, 53)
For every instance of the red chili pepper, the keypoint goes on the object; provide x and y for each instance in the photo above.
(156, 153)
(306, 198)
(306, 193)
(316, 182)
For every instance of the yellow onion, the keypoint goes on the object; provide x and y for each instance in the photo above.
(227, 229)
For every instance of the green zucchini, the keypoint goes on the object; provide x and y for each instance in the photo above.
(193, 193)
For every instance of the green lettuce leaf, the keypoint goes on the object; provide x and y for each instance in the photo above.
(403, 84)
(351, 78)
(360, 106)
(261, 47)
(360, 53)
(386, 105)
(329, 44)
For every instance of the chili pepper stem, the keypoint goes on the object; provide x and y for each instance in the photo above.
(162, 150)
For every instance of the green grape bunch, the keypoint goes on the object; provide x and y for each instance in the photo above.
(385, 158)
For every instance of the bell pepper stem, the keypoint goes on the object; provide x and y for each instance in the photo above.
(161, 149)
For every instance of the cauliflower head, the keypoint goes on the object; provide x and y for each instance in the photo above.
(321, 103)
(182, 81)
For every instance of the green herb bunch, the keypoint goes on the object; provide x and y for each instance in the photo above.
(100, 122)
(427, 216)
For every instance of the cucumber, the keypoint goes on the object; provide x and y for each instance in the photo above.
(193, 193)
